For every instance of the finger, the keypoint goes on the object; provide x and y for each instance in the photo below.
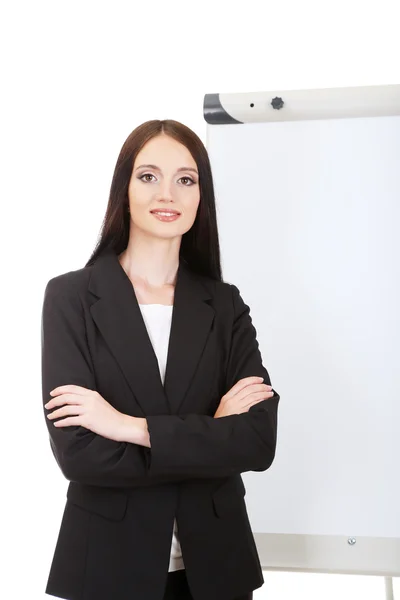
(241, 384)
(266, 396)
(255, 389)
(254, 399)
(68, 421)
(73, 389)
(64, 399)
(66, 410)
(250, 390)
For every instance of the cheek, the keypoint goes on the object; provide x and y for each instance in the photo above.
(137, 192)
(190, 215)
(139, 212)
(191, 204)
(139, 199)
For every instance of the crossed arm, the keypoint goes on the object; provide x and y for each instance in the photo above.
(78, 406)
(160, 447)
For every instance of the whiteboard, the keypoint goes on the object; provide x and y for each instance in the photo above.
(308, 206)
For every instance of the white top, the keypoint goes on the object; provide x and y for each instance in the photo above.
(157, 318)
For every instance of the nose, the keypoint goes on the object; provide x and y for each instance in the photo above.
(164, 191)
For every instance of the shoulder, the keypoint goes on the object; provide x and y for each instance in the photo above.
(69, 284)
(225, 294)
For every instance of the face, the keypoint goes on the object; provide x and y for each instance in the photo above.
(171, 183)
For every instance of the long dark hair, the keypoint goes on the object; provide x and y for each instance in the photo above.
(200, 245)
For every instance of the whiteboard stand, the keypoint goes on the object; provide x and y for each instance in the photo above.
(389, 588)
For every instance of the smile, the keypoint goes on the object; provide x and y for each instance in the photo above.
(165, 215)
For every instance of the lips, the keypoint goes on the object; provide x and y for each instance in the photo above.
(173, 212)
(166, 218)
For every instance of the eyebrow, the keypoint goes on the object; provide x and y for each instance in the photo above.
(158, 169)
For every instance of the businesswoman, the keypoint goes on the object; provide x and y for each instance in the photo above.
(156, 398)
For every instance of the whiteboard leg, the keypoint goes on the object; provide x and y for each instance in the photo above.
(389, 588)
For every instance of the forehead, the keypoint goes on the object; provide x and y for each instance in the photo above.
(165, 152)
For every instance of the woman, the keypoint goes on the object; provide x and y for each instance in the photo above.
(153, 449)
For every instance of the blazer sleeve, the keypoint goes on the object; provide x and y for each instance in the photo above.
(82, 455)
(202, 446)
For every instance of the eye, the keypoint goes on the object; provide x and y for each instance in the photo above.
(189, 179)
(146, 175)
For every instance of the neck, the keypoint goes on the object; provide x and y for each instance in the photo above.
(154, 269)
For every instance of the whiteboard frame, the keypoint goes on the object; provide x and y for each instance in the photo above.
(329, 554)
(300, 105)
(303, 552)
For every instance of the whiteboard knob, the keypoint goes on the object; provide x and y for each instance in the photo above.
(351, 541)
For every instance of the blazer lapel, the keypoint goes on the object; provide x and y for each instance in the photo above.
(117, 314)
(192, 319)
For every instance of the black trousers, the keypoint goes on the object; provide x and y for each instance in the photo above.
(177, 588)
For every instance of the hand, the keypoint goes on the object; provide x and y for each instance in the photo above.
(87, 408)
(242, 396)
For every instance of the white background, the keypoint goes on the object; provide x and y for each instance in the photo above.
(76, 78)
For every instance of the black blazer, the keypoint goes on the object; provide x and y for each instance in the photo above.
(116, 531)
